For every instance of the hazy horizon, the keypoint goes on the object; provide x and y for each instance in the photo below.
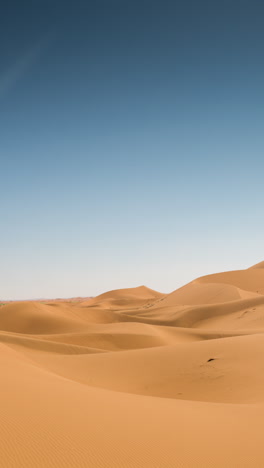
(40, 298)
(131, 144)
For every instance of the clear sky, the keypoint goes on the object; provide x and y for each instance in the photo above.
(131, 143)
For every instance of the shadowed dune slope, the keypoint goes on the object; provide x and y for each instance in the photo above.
(136, 378)
(258, 265)
(34, 317)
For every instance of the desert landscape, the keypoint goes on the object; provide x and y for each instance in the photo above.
(131, 154)
(136, 378)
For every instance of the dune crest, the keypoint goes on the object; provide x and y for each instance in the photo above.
(136, 378)
(258, 265)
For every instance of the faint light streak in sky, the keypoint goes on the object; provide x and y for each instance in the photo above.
(10, 77)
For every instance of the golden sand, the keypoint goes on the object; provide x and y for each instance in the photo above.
(135, 378)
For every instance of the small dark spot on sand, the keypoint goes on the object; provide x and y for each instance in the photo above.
(211, 359)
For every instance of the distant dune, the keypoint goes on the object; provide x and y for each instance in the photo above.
(136, 378)
(71, 299)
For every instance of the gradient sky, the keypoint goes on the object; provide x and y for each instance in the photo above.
(131, 143)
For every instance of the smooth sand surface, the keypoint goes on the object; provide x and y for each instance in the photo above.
(136, 378)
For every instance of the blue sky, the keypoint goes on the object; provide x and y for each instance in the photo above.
(131, 143)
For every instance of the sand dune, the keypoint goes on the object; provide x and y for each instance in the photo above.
(125, 298)
(136, 378)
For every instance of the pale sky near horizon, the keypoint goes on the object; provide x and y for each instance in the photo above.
(131, 143)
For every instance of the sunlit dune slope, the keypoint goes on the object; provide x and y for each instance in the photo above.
(136, 378)
(125, 298)
(251, 279)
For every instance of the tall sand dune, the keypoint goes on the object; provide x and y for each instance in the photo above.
(136, 378)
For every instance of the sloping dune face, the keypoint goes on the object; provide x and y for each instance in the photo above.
(136, 378)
